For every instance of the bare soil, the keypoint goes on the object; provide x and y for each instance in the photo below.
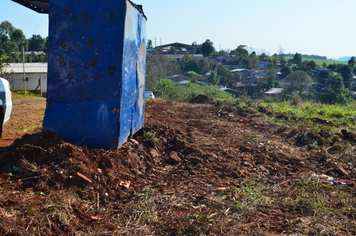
(194, 169)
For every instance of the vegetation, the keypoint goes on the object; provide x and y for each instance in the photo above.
(13, 41)
(4, 64)
(207, 48)
(319, 62)
(170, 90)
(298, 82)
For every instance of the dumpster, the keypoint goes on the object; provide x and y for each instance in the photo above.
(96, 71)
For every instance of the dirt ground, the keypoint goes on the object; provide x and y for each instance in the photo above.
(194, 169)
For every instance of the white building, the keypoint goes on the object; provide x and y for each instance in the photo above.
(35, 77)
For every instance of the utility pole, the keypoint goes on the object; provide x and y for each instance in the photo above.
(23, 64)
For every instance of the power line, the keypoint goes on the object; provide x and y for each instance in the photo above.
(38, 24)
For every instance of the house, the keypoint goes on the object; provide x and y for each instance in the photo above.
(262, 64)
(317, 88)
(229, 90)
(274, 92)
(221, 58)
(240, 88)
(184, 82)
(316, 71)
(245, 73)
(150, 51)
(257, 76)
(177, 48)
(35, 77)
(179, 78)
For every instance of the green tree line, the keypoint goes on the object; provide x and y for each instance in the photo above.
(13, 42)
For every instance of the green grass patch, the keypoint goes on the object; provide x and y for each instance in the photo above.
(339, 115)
(23, 95)
(171, 90)
(319, 62)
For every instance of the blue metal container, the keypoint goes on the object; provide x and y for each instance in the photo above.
(96, 71)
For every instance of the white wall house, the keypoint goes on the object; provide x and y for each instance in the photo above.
(35, 74)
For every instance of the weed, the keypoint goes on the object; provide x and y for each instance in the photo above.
(149, 135)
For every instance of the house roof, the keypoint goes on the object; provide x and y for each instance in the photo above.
(274, 91)
(30, 68)
(176, 44)
(184, 82)
(239, 70)
(229, 90)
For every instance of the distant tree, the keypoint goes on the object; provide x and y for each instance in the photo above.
(207, 48)
(286, 70)
(246, 63)
(36, 43)
(271, 78)
(200, 66)
(11, 39)
(225, 75)
(213, 78)
(222, 53)
(264, 57)
(4, 64)
(223, 81)
(323, 76)
(253, 58)
(311, 63)
(334, 82)
(337, 93)
(297, 59)
(346, 74)
(205, 66)
(324, 65)
(352, 62)
(332, 66)
(193, 76)
(19, 38)
(6, 28)
(190, 64)
(240, 51)
(159, 67)
(149, 44)
(299, 82)
(305, 68)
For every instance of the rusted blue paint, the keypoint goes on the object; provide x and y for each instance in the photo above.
(96, 69)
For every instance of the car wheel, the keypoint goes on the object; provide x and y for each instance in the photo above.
(1, 122)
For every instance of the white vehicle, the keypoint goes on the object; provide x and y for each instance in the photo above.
(5, 102)
(149, 94)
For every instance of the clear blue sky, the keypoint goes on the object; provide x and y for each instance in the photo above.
(321, 27)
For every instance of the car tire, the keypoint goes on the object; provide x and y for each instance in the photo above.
(1, 121)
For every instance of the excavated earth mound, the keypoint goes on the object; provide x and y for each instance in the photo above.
(201, 99)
